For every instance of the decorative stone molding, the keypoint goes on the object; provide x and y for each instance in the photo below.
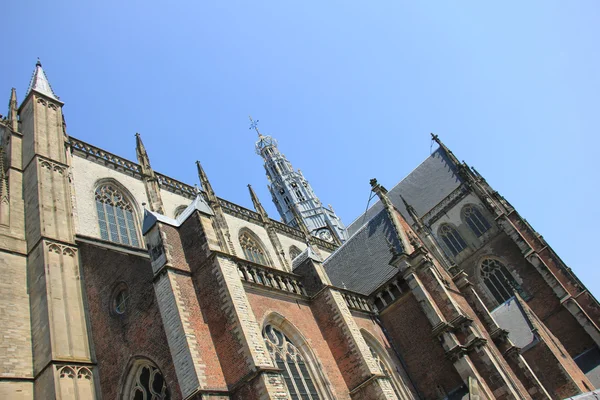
(450, 201)
(74, 371)
(270, 278)
(357, 301)
(61, 249)
(51, 166)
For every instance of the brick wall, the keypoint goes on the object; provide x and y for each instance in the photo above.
(137, 333)
(424, 356)
(300, 315)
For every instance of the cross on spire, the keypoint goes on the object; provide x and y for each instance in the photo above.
(254, 125)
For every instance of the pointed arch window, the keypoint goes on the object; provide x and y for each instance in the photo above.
(498, 280)
(294, 252)
(115, 216)
(289, 360)
(476, 221)
(146, 382)
(253, 251)
(452, 239)
(179, 210)
(386, 371)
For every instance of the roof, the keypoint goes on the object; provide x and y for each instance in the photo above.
(361, 264)
(428, 184)
(150, 217)
(39, 82)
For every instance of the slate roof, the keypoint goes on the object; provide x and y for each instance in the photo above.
(428, 184)
(361, 264)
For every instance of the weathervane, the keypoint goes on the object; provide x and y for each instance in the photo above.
(254, 125)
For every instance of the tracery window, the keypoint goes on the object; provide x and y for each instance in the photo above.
(476, 221)
(148, 384)
(289, 360)
(452, 239)
(386, 372)
(294, 252)
(498, 280)
(115, 216)
(252, 250)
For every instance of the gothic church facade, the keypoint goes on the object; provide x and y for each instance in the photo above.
(119, 282)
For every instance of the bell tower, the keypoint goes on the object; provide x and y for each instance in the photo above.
(292, 192)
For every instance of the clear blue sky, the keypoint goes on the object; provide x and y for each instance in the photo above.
(350, 89)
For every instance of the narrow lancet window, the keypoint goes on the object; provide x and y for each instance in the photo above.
(498, 280)
(290, 361)
(476, 221)
(452, 239)
(115, 216)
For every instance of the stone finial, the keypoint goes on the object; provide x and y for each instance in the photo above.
(448, 152)
(142, 155)
(205, 183)
(13, 110)
(257, 205)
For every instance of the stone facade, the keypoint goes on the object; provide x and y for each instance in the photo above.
(122, 283)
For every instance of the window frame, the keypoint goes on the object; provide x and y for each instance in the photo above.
(258, 245)
(473, 223)
(129, 214)
(493, 294)
(456, 236)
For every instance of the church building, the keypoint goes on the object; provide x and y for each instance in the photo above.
(119, 282)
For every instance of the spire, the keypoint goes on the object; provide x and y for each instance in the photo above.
(150, 180)
(142, 156)
(412, 212)
(205, 183)
(12, 110)
(39, 82)
(381, 192)
(257, 206)
(3, 180)
(450, 154)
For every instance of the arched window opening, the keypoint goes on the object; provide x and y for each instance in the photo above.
(115, 216)
(385, 371)
(179, 210)
(252, 250)
(146, 383)
(476, 221)
(498, 280)
(388, 367)
(452, 239)
(299, 382)
(294, 252)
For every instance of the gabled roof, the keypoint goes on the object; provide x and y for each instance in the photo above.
(150, 217)
(428, 184)
(39, 83)
(361, 264)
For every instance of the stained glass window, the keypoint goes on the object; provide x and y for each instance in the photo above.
(115, 216)
(149, 384)
(476, 221)
(293, 367)
(452, 239)
(252, 250)
(498, 280)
